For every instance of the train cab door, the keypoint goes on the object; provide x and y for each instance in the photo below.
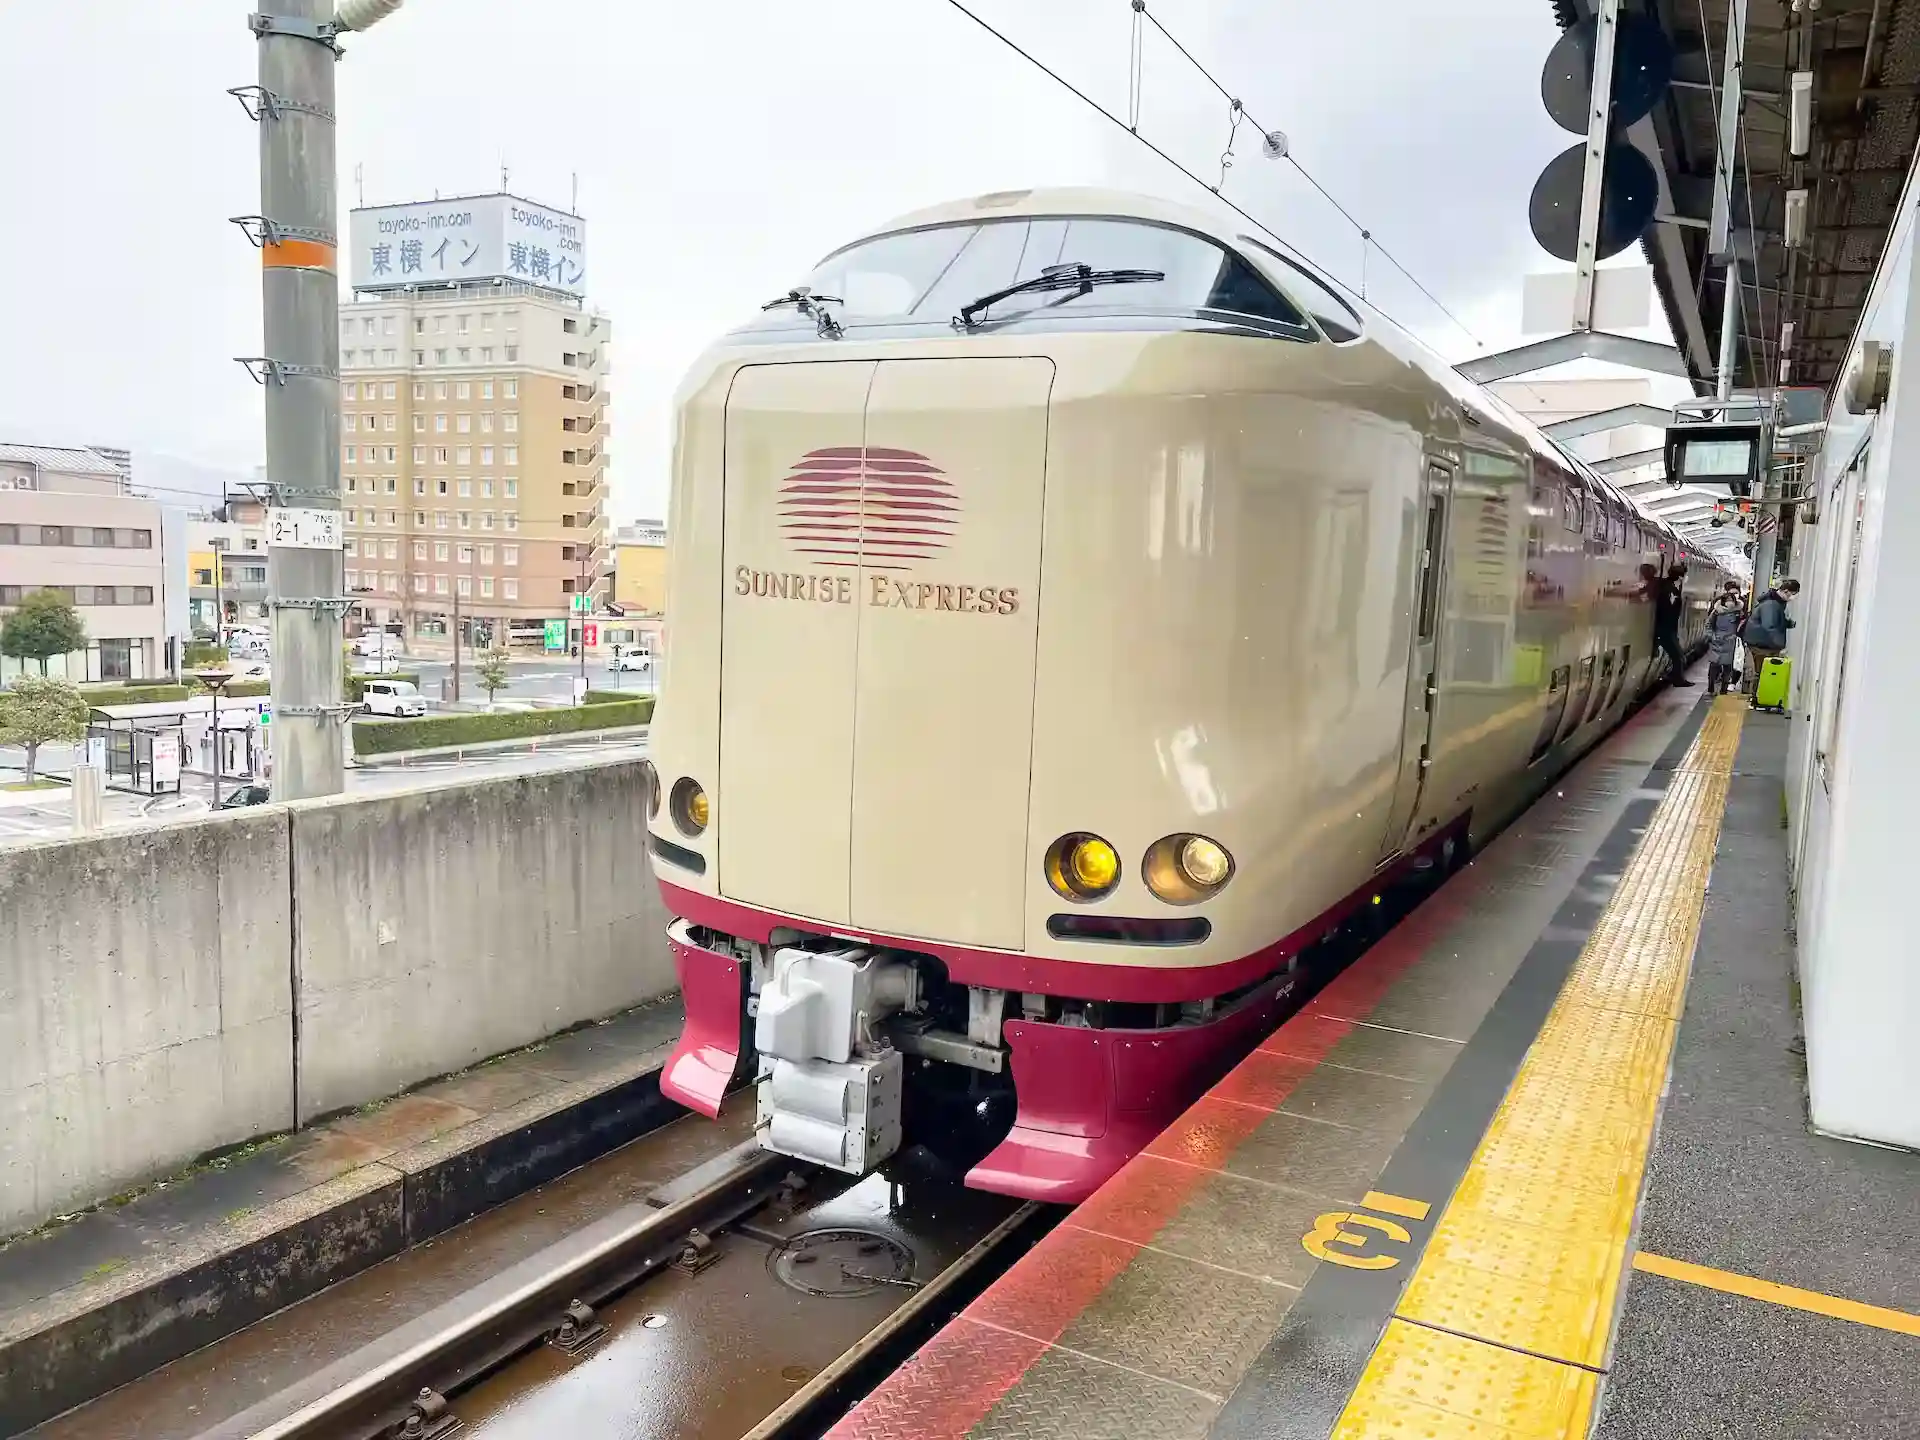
(1423, 667)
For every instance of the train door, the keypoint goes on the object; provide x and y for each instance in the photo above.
(948, 625)
(1423, 668)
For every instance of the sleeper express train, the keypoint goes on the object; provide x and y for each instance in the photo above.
(1078, 608)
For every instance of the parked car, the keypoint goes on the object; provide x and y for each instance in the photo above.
(641, 660)
(398, 698)
(246, 795)
(377, 642)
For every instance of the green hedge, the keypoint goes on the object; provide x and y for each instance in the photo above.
(357, 684)
(248, 690)
(202, 653)
(386, 736)
(614, 697)
(132, 694)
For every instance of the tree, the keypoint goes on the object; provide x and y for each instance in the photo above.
(492, 673)
(35, 709)
(44, 625)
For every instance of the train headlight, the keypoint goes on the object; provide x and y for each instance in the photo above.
(1186, 869)
(1082, 866)
(691, 809)
(1205, 863)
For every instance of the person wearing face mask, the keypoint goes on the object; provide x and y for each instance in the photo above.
(1765, 633)
(1724, 620)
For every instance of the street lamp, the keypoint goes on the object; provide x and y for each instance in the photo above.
(216, 680)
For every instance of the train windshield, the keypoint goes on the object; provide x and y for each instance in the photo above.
(930, 275)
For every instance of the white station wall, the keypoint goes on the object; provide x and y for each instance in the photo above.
(1854, 767)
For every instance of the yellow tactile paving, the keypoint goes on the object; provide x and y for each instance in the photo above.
(1530, 1254)
(1445, 1387)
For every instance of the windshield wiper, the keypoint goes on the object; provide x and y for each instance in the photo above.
(813, 306)
(1078, 277)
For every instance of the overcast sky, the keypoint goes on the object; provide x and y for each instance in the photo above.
(720, 149)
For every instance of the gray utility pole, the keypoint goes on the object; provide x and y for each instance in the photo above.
(300, 290)
(297, 232)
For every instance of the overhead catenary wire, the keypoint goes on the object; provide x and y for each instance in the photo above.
(1237, 209)
(1365, 232)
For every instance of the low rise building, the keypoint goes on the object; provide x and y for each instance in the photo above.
(67, 524)
(227, 566)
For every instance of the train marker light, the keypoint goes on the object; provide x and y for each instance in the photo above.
(1082, 867)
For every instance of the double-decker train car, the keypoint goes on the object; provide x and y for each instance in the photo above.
(1079, 608)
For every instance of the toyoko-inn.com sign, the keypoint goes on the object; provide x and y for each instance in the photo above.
(481, 237)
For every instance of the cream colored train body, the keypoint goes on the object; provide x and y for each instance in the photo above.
(1213, 554)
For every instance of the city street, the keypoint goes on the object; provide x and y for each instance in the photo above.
(543, 678)
(47, 814)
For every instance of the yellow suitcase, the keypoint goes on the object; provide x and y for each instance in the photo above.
(1770, 691)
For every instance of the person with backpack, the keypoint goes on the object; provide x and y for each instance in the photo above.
(1765, 633)
(1725, 619)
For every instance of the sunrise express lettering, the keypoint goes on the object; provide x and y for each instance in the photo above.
(881, 591)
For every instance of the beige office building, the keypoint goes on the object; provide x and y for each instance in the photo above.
(67, 524)
(474, 460)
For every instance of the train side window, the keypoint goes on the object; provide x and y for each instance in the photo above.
(1338, 321)
(1571, 516)
(1430, 565)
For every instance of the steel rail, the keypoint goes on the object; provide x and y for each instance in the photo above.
(406, 1388)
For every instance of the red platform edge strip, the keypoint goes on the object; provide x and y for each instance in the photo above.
(957, 1378)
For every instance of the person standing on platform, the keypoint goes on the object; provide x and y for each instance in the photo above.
(1724, 622)
(1765, 634)
(1665, 593)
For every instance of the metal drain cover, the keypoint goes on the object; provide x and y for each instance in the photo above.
(844, 1262)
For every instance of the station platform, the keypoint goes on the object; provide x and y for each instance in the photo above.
(1432, 1203)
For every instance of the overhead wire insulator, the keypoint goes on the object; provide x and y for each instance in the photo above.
(364, 14)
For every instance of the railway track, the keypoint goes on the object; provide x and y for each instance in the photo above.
(748, 1299)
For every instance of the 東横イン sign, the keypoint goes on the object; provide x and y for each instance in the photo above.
(303, 529)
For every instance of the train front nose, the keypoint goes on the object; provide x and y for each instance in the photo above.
(881, 554)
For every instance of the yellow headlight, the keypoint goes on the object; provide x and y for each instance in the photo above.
(1094, 864)
(1204, 863)
(690, 807)
(1082, 866)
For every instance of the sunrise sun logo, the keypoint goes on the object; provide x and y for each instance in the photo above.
(867, 508)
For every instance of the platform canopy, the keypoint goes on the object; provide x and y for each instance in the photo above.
(1864, 57)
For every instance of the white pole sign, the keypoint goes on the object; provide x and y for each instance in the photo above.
(304, 529)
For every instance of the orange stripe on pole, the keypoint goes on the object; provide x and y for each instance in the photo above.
(300, 254)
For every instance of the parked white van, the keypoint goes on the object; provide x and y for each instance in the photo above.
(398, 698)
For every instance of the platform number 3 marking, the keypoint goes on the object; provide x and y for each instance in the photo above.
(1344, 1237)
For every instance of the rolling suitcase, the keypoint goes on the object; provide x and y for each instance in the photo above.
(1770, 692)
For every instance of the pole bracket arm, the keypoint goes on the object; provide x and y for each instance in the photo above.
(321, 32)
(261, 103)
(263, 231)
(265, 369)
(338, 604)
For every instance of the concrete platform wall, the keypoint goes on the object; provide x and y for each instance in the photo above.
(176, 990)
(438, 927)
(145, 1006)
